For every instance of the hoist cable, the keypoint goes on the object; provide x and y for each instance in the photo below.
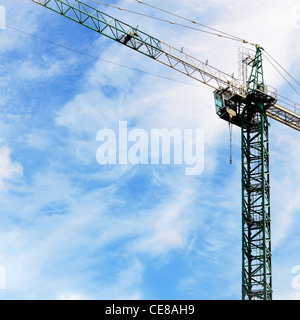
(220, 34)
(298, 93)
(194, 22)
(288, 73)
(94, 57)
(230, 135)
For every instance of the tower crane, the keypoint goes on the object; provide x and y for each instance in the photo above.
(248, 106)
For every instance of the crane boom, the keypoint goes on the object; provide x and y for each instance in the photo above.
(154, 48)
(140, 41)
(284, 115)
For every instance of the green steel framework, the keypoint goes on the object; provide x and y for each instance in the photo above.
(256, 237)
(142, 42)
(100, 22)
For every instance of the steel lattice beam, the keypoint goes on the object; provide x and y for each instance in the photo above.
(256, 241)
(256, 219)
(152, 47)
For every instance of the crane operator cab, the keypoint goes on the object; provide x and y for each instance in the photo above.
(227, 107)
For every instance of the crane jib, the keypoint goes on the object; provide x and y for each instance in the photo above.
(106, 25)
(154, 48)
(140, 41)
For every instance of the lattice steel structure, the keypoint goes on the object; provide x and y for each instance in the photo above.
(256, 219)
(256, 234)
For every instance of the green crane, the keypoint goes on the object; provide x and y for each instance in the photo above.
(247, 106)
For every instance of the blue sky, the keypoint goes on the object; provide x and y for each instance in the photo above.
(73, 229)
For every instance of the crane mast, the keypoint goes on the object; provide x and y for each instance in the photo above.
(247, 107)
(249, 111)
(256, 221)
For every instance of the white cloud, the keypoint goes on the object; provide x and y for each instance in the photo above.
(71, 296)
(35, 70)
(26, 20)
(8, 169)
(94, 218)
(37, 139)
(167, 226)
(285, 195)
(126, 284)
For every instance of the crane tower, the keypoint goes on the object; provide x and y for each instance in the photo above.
(249, 112)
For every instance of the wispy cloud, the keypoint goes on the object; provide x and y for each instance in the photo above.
(8, 169)
(72, 229)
